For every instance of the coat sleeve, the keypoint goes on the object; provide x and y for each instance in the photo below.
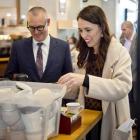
(118, 85)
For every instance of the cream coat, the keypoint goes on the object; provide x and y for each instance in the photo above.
(112, 89)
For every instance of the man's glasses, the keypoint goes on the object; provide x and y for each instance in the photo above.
(38, 28)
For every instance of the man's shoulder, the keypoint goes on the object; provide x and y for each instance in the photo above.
(58, 41)
(22, 41)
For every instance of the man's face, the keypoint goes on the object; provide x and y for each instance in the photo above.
(126, 31)
(38, 26)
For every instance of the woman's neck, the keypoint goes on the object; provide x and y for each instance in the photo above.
(96, 49)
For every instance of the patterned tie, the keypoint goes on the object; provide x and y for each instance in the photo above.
(39, 60)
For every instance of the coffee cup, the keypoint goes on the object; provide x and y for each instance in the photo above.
(73, 107)
(10, 114)
(32, 118)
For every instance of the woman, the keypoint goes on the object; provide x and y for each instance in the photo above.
(72, 41)
(107, 67)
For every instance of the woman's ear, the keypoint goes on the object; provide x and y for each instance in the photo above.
(101, 33)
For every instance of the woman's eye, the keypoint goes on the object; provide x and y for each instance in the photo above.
(80, 31)
(88, 30)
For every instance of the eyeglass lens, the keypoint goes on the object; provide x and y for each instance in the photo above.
(38, 28)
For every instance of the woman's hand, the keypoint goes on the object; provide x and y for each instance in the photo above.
(71, 80)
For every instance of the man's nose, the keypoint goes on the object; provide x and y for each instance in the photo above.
(35, 31)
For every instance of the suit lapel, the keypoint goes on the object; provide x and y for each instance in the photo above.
(30, 56)
(50, 55)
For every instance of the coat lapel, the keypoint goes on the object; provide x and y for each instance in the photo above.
(111, 60)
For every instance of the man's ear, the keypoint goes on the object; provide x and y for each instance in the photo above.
(48, 21)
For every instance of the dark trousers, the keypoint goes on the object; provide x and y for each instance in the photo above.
(95, 133)
(132, 101)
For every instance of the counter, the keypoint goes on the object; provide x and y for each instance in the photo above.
(89, 119)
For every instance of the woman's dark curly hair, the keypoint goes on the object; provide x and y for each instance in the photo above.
(95, 15)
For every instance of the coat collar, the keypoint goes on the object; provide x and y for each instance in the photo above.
(112, 56)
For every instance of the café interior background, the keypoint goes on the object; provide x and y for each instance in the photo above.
(63, 15)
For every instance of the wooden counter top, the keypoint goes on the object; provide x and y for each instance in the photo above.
(4, 59)
(3, 65)
(89, 120)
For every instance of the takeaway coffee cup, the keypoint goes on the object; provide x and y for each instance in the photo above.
(73, 107)
(2, 128)
(10, 114)
(32, 119)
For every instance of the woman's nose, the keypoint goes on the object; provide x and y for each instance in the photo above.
(84, 35)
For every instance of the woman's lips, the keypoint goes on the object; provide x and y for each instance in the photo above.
(87, 41)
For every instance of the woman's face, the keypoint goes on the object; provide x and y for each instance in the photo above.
(90, 32)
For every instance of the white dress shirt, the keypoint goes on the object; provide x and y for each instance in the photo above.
(45, 50)
(128, 42)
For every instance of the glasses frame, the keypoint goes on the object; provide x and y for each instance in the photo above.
(39, 28)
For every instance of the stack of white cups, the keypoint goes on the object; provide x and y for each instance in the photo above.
(2, 128)
(33, 121)
(11, 117)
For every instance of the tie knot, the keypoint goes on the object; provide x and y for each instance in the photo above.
(40, 44)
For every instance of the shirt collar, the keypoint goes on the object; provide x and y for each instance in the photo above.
(46, 41)
(131, 37)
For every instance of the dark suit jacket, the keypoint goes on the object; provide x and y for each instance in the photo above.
(133, 54)
(22, 60)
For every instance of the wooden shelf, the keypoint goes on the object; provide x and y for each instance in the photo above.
(3, 65)
(4, 59)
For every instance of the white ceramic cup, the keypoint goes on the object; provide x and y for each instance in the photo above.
(73, 107)
(32, 118)
(10, 114)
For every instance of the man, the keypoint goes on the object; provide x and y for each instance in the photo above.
(42, 57)
(127, 34)
(130, 42)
